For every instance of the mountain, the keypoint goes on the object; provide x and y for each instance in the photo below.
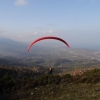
(11, 44)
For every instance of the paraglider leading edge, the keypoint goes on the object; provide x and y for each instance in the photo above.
(48, 37)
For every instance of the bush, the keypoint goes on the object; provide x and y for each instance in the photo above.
(66, 78)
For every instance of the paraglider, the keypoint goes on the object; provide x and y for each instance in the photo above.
(47, 37)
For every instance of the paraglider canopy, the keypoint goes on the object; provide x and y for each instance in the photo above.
(47, 37)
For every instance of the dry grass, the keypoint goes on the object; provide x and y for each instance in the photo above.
(61, 92)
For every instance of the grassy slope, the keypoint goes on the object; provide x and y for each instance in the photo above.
(83, 87)
(61, 92)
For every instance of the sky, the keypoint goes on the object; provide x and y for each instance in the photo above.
(76, 21)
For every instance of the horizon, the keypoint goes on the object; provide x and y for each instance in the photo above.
(47, 43)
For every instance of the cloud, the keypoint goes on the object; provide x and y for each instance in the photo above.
(21, 2)
(48, 32)
(39, 33)
(29, 36)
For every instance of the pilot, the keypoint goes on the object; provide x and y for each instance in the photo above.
(50, 70)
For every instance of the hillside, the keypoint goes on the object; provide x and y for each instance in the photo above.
(28, 84)
(24, 75)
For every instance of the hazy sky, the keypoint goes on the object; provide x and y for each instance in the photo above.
(76, 21)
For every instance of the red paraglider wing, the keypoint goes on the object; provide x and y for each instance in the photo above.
(48, 37)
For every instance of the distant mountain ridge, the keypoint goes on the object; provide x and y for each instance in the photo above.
(7, 42)
(11, 43)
